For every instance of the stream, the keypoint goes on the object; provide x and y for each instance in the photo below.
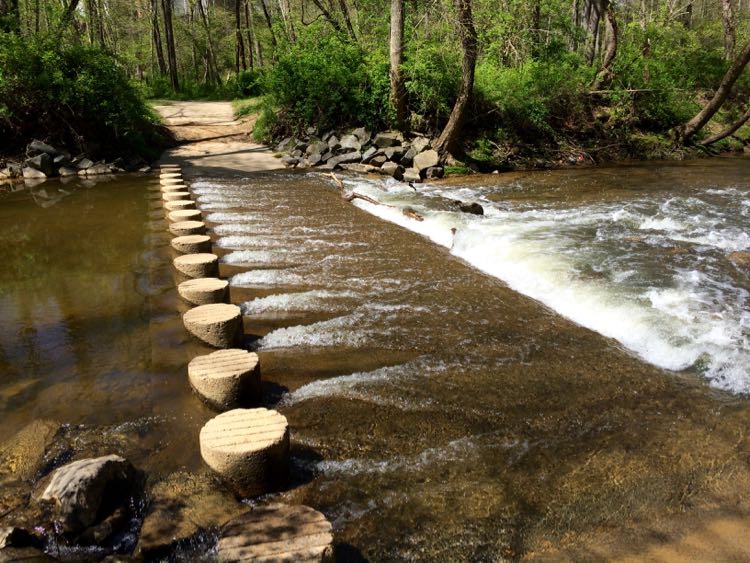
(571, 363)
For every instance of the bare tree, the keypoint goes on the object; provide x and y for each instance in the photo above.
(605, 74)
(252, 38)
(730, 34)
(398, 94)
(687, 131)
(286, 16)
(447, 140)
(269, 23)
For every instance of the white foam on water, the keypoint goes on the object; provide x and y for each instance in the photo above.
(266, 277)
(339, 331)
(240, 242)
(316, 300)
(255, 256)
(582, 263)
(230, 217)
(239, 229)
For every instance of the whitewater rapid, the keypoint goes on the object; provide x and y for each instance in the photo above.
(650, 270)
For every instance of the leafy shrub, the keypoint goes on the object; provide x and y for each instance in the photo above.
(75, 96)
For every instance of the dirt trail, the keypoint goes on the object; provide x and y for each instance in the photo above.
(212, 139)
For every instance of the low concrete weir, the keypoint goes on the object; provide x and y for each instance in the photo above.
(248, 449)
(227, 379)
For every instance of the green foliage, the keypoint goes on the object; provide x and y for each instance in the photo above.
(76, 96)
(327, 81)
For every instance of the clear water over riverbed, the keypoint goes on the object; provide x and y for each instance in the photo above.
(435, 413)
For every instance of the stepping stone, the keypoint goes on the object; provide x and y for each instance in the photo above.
(170, 181)
(201, 265)
(181, 204)
(192, 244)
(174, 188)
(184, 215)
(219, 325)
(248, 448)
(175, 196)
(226, 379)
(277, 533)
(165, 175)
(204, 291)
(182, 228)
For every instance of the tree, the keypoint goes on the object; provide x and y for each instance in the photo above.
(398, 94)
(729, 130)
(686, 132)
(447, 140)
(727, 20)
(240, 47)
(166, 6)
(156, 38)
(605, 74)
(10, 16)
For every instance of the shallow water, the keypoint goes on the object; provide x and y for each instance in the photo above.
(435, 413)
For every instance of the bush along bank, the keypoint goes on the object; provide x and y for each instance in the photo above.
(389, 153)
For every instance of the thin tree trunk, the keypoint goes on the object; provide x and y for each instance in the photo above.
(252, 38)
(269, 23)
(398, 95)
(447, 140)
(166, 6)
(347, 19)
(10, 16)
(327, 15)
(729, 130)
(286, 16)
(211, 66)
(156, 38)
(605, 74)
(240, 51)
(67, 16)
(730, 36)
(595, 10)
(686, 132)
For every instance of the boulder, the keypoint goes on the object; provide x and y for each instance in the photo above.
(311, 131)
(277, 533)
(426, 159)
(408, 157)
(393, 169)
(378, 161)
(434, 172)
(412, 175)
(344, 159)
(350, 143)
(22, 456)
(473, 208)
(326, 156)
(369, 154)
(388, 139)
(42, 163)
(182, 505)
(38, 147)
(96, 170)
(284, 144)
(394, 153)
(359, 168)
(62, 159)
(32, 173)
(334, 143)
(420, 144)
(314, 159)
(297, 153)
(319, 148)
(86, 491)
(290, 161)
(84, 163)
(66, 171)
(362, 134)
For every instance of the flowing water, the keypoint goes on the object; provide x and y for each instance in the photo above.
(436, 414)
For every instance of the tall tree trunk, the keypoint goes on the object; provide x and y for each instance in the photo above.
(67, 16)
(166, 6)
(594, 10)
(447, 141)
(286, 16)
(240, 51)
(327, 15)
(729, 130)
(730, 36)
(687, 131)
(269, 23)
(605, 74)
(252, 37)
(398, 94)
(156, 38)
(10, 16)
(344, 9)
(211, 67)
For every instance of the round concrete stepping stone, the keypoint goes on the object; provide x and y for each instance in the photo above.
(184, 215)
(180, 204)
(174, 188)
(277, 533)
(175, 196)
(192, 244)
(182, 228)
(226, 379)
(170, 181)
(249, 448)
(219, 325)
(203, 265)
(204, 291)
(165, 175)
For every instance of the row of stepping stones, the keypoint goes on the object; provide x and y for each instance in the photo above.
(247, 447)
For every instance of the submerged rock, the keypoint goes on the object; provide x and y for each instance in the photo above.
(740, 259)
(22, 457)
(86, 491)
(473, 208)
(182, 505)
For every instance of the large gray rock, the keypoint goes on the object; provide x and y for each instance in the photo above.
(41, 162)
(412, 175)
(394, 153)
(426, 159)
(97, 169)
(344, 159)
(369, 154)
(362, 134)
(86, 491)
(420, 144)
(388, 139)
(84, 163)
(378, 161)
(359, 168)
(434, 172)
(37, 147)
(319, 148)
(290, 161)
(33, 174)
(66, 172)
(350, 143)
(22, 456)
(393, 169)
(182, 505)
(334, 143)
(284, 144)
